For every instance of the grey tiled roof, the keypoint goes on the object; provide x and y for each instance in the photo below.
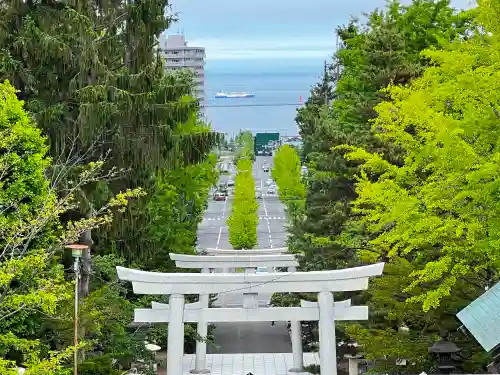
(482, 318)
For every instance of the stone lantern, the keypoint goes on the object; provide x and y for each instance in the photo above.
(445, 350)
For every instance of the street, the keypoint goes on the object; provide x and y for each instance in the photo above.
(255, 337)
(212, 231)
(271, 230)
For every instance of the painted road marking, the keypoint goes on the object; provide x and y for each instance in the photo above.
(222, 226)
(267, 222)
(260, 218)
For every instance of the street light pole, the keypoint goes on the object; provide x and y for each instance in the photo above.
(76, 268)
(76, 252)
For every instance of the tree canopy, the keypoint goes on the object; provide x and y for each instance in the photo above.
(94, 83)
(399, 136)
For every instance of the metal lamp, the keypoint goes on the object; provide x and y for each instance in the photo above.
(76, 252)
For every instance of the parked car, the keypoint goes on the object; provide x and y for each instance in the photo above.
(258, 195)
(219, 196)
(269, 182)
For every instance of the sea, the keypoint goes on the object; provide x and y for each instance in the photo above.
(279, 87)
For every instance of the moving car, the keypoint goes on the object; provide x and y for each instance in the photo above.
(230, 182)
(271, 189)
(258, 195)
(222, 189)
(269, 182)
(219, 196)
(265, 168)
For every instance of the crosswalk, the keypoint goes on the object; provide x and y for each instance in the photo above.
(231, 195)
(260, 218)
(272, 218)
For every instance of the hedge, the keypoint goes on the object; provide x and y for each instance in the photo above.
(242, 223)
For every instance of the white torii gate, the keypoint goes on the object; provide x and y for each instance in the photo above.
(275, 250)
(234, 261)
(322, 282)
(206, 263)
(228, 252)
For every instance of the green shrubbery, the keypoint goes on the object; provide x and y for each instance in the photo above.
(243, 221)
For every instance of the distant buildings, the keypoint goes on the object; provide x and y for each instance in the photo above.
(179, 55)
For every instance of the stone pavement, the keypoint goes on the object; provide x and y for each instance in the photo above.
(257, 363)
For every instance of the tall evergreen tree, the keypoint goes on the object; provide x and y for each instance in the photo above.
(92, 78)
(91, 75)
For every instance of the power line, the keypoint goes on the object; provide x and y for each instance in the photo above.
(253, 105)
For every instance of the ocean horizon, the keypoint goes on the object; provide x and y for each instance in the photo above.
(278, 86)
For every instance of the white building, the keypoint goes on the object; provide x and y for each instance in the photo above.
(179, 55)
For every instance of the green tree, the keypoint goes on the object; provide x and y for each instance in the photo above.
(91, 76)
(113, 98)
(287, 172)
(386, 49)
(32, 281)
(242, 224)
(437, 212)
(245, 145)
(432, 216)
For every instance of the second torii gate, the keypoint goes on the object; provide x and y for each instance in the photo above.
(271, 251)
(232, 252)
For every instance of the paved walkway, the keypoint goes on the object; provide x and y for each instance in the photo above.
(257, 363)
(250, 338)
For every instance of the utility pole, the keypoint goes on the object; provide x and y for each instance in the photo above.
(338, 63)
(326, 84)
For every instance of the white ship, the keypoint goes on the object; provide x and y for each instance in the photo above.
(222, 94)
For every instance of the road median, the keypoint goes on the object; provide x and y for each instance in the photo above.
(287, 174)
(242, 224)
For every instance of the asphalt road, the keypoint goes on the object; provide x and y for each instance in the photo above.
(212, 231)
(251, 338)
(254, 337)
(271, 230)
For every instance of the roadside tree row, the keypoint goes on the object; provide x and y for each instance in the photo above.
(242, 224)
(287, 172)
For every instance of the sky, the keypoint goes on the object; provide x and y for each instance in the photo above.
(268, 29)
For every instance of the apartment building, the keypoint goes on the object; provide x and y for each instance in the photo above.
(178, 55)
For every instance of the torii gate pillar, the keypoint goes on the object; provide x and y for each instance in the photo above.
(328, 346)
(175, 334)
(202, 331)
